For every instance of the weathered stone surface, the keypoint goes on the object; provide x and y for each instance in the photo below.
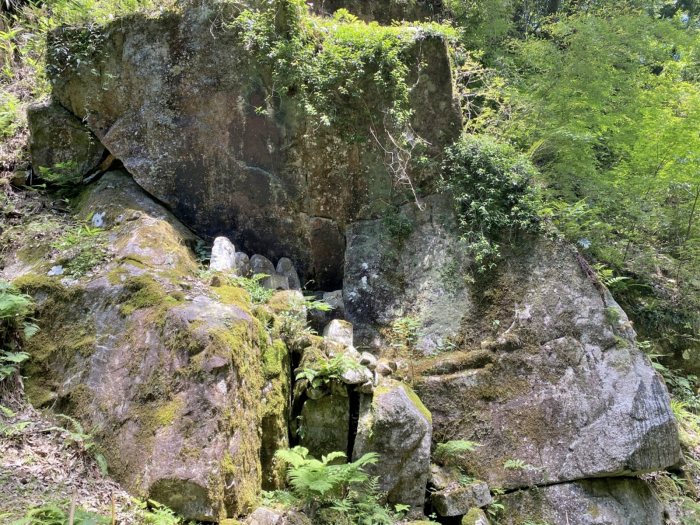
(57, 136)
(174, 390)
(452, 496)
(325, 424)
(168, 85)
(387, 278)
(621, 501)
(286, 268)
(394, 423)
(265, 516)
(241, 264)
(356, 376)
(319, 319)
(259, 264)
(223, 255)
(475, 517)
(547, 371)
(339, 331)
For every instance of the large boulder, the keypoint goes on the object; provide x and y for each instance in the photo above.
(60, 142)
(539, 365)
(178, 100)
(623, 501)
(174, 379)
(394, 424)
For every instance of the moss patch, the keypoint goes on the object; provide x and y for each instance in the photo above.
(143, 291)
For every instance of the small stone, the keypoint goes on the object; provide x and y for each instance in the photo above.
(339, 331)
(215, 281)
(19, 178)
(215, 362)
(259, 264)
(395, 424)
(335, 300)
(475, 517)
(286, 268)
(55, 270)
(368, 360)
(383, 369)
(325, 424)
(366, 388)
(457, 498)
(264, 516)
(356, 376)
(98, 219)
(241, 263)
(339, 389)
(222, 255)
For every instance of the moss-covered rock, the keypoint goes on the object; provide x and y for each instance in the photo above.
(524, 361)
(622, 501)
(174, 384)
(396, 425)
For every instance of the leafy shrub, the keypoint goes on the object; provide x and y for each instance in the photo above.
(9, 114)
(328, 492)
(491, 186)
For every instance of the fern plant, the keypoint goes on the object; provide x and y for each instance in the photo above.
(326, 370)
(15, 327)
(450, 450)
(83, 441)
(326, 490)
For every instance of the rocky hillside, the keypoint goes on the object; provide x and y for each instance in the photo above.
(289, 289)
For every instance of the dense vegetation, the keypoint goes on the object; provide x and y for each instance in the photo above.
(604, 98)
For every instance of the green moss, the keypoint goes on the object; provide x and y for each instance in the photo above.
(273, 357)
(143, 291)
(32, 283)
(166, 413)
(234, 295)
(472, 517)
(38, 392)
(417, 402)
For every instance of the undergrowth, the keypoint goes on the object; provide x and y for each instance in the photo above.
(331, 491)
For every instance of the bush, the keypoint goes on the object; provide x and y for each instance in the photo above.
(490, 183)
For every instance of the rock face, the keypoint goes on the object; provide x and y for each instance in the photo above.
(388, 277)
(175, 387)
(452, 495)
(58, 137)
(621, 501)
(325, 425)
(545, 374)
(395, 424)
(176, 103)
